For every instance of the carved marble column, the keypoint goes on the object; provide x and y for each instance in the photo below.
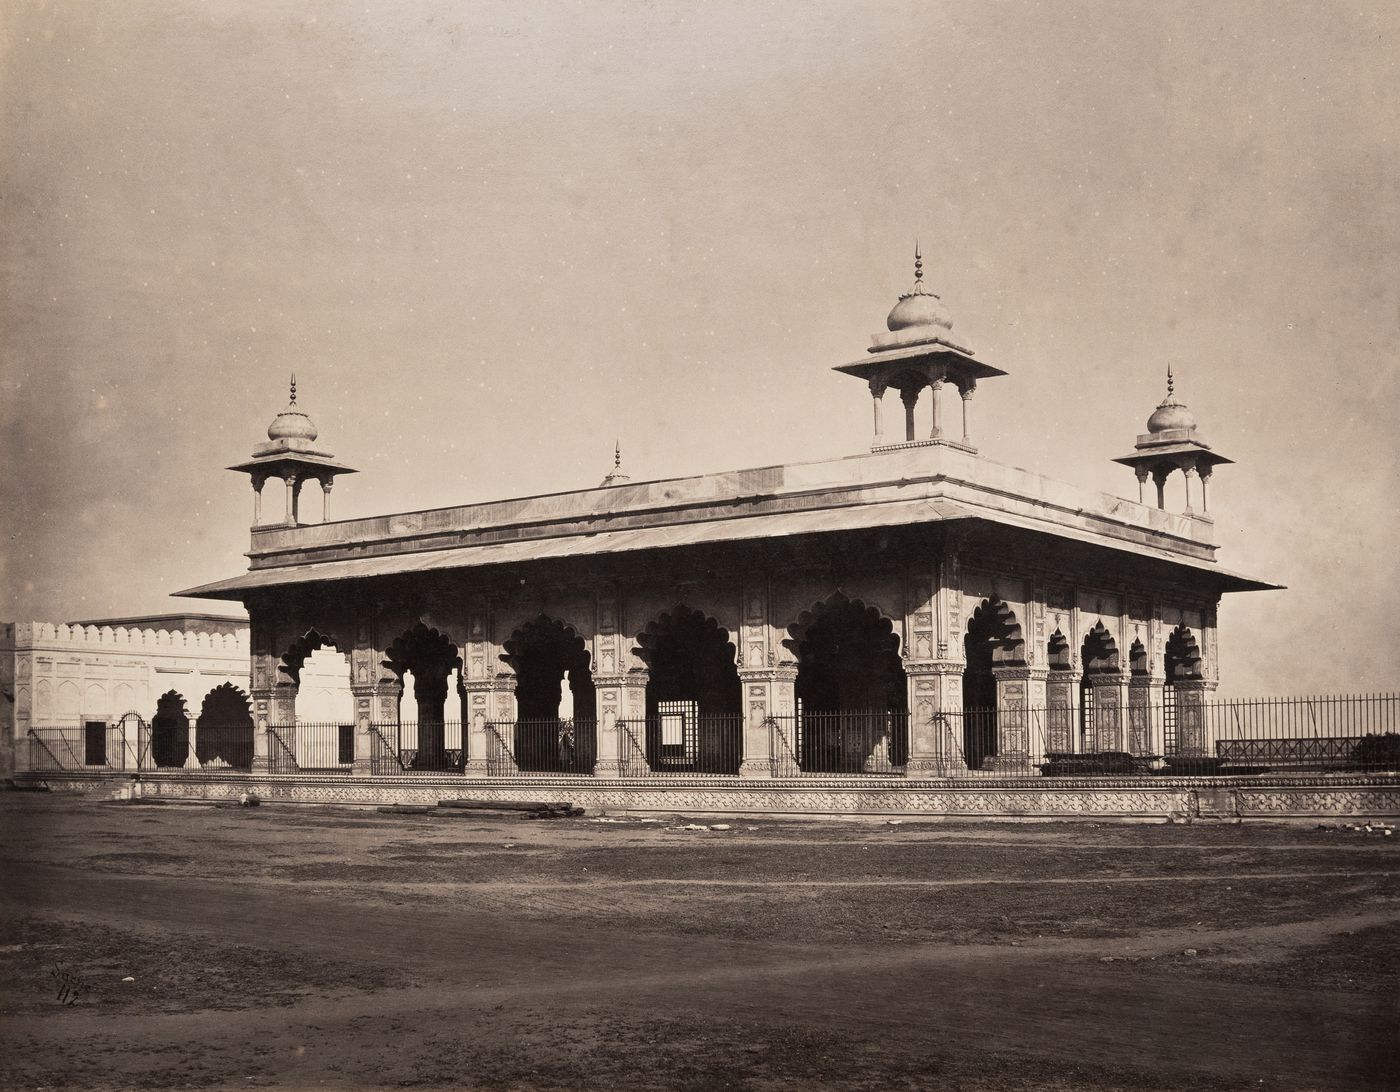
(500, 726)
(326, 484)
(622, 711)
(935, 717)
(1020, 705)
(1142, 475)
(262, 669)
(1192, 732)
(375, 689)
(1144, 715)
(936, 396)
(1060, 690)
(1110, 702)
(479, 698)
(768, 692)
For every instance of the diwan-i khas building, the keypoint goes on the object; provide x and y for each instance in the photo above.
(877, 632)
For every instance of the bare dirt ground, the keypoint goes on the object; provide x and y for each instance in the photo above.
(278, 947)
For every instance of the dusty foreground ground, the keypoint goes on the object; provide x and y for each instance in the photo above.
(280, 947)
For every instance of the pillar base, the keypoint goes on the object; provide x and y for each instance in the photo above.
(362, 767)
(756, 768)
(607, 768)
(261, 764)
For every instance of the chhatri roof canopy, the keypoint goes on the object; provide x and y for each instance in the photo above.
(914, 482)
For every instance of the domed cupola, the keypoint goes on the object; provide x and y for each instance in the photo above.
(1171, 415)
(920, 316)
(1172, 442)
(919, 309)
(292, 423)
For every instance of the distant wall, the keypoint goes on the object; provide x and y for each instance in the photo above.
(62, 675)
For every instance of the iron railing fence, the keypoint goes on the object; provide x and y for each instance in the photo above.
(872, 741)
(541, 745)
(423, 747)
(1341, 733)
(681, 743)
(1356, 732)
(310, 747)
(1117, 735)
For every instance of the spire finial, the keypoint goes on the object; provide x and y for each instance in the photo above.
(918, 264)
(1171, 382)
(615, 475)
(294, 388)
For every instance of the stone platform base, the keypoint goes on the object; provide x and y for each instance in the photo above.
(1144, 798)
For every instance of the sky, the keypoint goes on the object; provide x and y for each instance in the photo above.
(492, 239)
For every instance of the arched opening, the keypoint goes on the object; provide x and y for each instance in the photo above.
(322, 733)
(1099, 655)
(694, 701)
(852, 693)
(170, 731)
(1137, 658)
(224, 735)
(1181, 660)
(556, 720)
(993, 640)
(425, 662)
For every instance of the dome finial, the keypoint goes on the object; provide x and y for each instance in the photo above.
(918, 265)
(294, 389)
(1171, 384)
(616, 475)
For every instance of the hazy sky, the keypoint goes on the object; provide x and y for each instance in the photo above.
(490, 239)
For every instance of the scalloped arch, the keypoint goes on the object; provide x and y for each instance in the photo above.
(294, 658)
(798, 630)
(664, 622)
(995, 617)
(1100, 651)
(542, 624)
